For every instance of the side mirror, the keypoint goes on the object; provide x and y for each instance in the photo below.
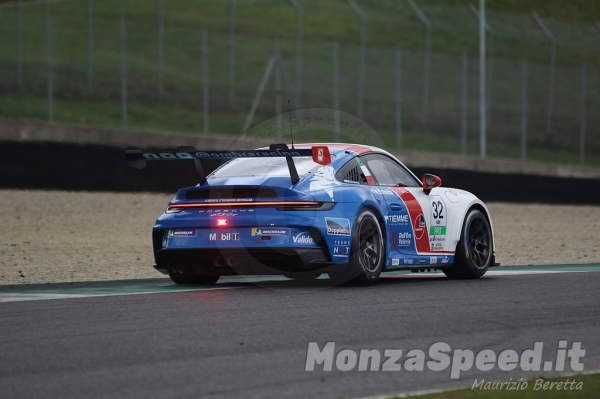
(429, 182)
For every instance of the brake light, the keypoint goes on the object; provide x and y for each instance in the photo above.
(207, 205)
(222, 222)
(317, 206)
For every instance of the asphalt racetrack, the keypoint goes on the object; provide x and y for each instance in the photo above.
(152, 339)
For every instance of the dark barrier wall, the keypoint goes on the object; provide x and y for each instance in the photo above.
(520, 188)
(37, 165)
(52, 165)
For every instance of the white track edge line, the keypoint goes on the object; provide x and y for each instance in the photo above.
(32, 297)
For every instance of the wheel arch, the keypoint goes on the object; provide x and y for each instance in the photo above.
(461, 215)
(379, 219)
(360, 273)
(483, 210)
(383, 227)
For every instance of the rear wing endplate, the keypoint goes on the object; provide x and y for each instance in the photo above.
(137, 158)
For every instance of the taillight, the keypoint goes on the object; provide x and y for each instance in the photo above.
(316, 206)
(281, 205)
(222, 222)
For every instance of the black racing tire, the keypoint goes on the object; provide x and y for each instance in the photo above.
(303, 276)
(367, 254)
(192, 279)
(474, 251)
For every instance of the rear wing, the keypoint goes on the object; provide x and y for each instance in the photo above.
(137, 158)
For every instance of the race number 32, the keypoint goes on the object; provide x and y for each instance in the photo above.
(438, 211)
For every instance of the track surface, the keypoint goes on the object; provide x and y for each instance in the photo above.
(252, 342)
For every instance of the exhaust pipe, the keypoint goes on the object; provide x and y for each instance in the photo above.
(230, 261)
(218, 261)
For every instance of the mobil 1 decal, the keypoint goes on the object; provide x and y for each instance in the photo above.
(415, 235)
(437, 223)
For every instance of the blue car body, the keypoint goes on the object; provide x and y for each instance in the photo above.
(267, 224)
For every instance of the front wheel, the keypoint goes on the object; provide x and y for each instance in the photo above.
(474, 251)
(367, 254)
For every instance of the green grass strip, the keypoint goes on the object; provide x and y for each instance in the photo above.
(573, 387)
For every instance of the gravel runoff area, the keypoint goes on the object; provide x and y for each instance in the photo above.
(54, 236)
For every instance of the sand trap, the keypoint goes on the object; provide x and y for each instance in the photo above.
(54, 236)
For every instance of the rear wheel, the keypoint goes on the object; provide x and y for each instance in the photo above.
(474, 250)
(367, 254)
(194, 279)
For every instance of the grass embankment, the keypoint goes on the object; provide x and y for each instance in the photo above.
(258, 21)
(540, 388)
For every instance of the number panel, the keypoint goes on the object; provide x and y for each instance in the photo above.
(437, 223)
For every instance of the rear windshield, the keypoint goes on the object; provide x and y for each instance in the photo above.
(269, 167)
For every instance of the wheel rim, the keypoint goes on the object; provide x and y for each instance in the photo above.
(479, 243)
(370, 245)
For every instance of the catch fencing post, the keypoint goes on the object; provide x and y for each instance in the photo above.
(161, 47)
(490, 66)
(524, 110)
(399, 98)
(583, 116)
(277, 87)
(299, 17)
(123, 73)
(552, 40)
(20, 43)
(464, 93)
(361, 59)
(336, 91)
(205, 82)
(50, 65)
(257, 97)
(427, 60)
(482, 105)
(90, 47)
(232, 53)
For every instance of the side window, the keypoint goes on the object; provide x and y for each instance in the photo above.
(351, 173)
(388, 172)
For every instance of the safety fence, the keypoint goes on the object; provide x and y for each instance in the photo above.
(542, 77)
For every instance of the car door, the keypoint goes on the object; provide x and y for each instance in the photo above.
(438, 222)
(416, 222)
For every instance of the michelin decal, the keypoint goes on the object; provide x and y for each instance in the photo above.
(271, 231)
(182, 233)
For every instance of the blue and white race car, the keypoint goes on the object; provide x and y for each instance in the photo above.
(351, 211)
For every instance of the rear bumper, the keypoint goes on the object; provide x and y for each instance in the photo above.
(244, 261)
(494, 263)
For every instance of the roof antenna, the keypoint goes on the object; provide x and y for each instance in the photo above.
(291, 131)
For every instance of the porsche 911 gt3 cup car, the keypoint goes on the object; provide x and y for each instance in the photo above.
(351, 211)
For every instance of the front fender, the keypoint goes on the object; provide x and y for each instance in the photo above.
(466, 202)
